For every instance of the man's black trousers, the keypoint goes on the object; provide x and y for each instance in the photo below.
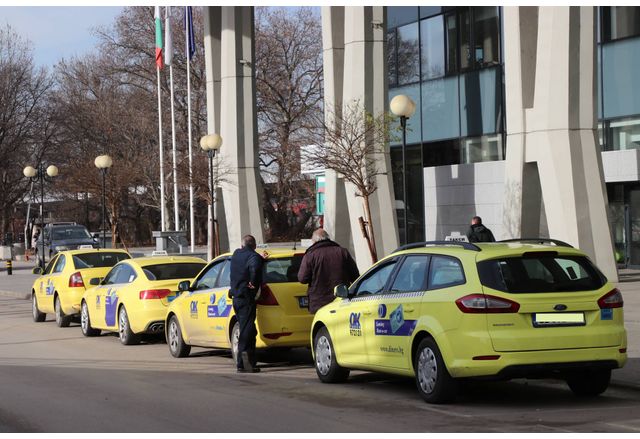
(245, 309)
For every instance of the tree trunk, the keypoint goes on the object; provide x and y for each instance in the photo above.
(370, 235)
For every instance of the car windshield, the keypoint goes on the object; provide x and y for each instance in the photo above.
(96, 260)
(174, 270)
(540, 272)
(280, 270)
(60, 233)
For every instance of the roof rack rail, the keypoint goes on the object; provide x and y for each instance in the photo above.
(465, 245)
(540, 241)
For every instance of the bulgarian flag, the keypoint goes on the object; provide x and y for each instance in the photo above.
(158, 19)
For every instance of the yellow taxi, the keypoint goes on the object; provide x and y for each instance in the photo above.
(442, 311)
(62, 283)
(203, 315)
(133, 297)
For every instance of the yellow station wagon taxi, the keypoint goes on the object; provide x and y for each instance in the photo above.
(203, 315)
(442, 311)
(61, 285)
(133, 297)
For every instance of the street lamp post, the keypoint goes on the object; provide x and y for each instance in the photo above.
(35, 174)
(210, 144)
(403, 106)
(103, 162)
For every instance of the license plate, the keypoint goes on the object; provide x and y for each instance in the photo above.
(303, 301)
(542, 320)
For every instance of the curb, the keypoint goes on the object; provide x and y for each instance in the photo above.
(15, 295)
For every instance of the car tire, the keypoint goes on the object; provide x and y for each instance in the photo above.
(62, 320)
(127, 337)
(434, 383)
(589, 384)
(177, 347)
(235, 338)
(326, 364)
(85, 322)
(37, 315)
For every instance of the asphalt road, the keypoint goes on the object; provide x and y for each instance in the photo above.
(56, 380)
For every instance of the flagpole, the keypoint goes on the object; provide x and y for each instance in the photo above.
(169, 61)
(191, 201)
(162, 207)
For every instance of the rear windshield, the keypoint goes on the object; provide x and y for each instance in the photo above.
(73, 232)
(281, 270)
(96, 260)
(173, 271)
(540, 273)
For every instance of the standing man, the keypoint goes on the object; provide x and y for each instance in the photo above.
(246, 277)
(325, 264)
(478, 232)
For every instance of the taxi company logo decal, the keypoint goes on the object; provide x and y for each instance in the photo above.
(193, 308)
(354, 324)
(221, 309)
(98, 302)
(396, 325)
(110, 307)
(50, 288)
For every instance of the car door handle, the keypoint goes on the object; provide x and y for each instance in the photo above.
(411, 309)
(366, 313)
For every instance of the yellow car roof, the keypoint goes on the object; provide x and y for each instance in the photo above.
(82, 251)
(154, 260)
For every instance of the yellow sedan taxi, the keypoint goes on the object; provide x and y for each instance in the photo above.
(203, 315)
(61, 285)
(442, 311)
(133, 297)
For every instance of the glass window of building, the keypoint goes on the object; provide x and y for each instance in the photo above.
(432, 47)
(466, 61)
(624, 134)
(486, 35)
(620, 22)
(482, 149)
(408, 54)
(429, 11)
(451, 43)
(392, 58)
(399, 15)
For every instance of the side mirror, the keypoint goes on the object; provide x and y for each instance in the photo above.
(185, 285)
(95, 281)
(37, 270)
(341, 291)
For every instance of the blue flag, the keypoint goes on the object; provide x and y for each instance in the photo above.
(191, 40)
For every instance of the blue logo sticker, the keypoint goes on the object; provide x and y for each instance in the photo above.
(606, 314)
(396, 318)
(98, 301)
(110, 307)
(50, 288)
(382, 310)
(212, 299)
(354, 324)
(383, 327)
(193, 306)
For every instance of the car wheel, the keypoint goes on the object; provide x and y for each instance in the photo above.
(127, 337)
(37, 315)
(434, 383)
(327, 367)
(235, 338)
(591, 383)
(62, 320)
(177, 346)
(85, 322)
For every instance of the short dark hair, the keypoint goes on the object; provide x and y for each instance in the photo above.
(477, 219)
(249, 241)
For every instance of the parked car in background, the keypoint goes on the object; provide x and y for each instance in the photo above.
(61, 237)
(62, 283)
(443, 311)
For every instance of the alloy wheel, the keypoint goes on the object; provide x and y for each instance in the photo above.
(427, 370)
(323, 355)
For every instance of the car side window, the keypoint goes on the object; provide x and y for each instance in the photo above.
(208, 278)
(445, 271)
(50, 265)
(375, 281)
(60, 264)
(125, 275)
(224, 280)
(412, 274)
(110, 278)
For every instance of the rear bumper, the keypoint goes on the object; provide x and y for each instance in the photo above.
(554, 369)
(296, 339)
(70, 300)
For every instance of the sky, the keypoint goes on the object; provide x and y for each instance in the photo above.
(57, 32)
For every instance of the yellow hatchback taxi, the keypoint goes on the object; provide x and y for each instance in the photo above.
(61, 285)
(442, 311)
(133, 297)
(203, 315)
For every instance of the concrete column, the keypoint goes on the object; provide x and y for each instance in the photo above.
(550, 87)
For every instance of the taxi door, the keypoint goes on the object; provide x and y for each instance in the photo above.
(97, 300)
(355, 317)
(44, 293)
(396, 314)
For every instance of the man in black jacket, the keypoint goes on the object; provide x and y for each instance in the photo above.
(478, 232)
(246, 277)
(325, 264)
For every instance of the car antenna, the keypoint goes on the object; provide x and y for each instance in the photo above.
(294, 244)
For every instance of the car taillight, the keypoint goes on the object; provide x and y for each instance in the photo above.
(154, 294)
(613, 299)
(485, 304)
(266, 297)
(75, 280)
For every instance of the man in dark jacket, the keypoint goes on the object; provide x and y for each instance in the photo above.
(478, 232)
(325, 264)
(246, 277)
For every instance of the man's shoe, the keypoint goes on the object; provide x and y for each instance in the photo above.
(243, 370)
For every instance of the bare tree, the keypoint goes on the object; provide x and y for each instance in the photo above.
(353, 144)
(289, 95)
